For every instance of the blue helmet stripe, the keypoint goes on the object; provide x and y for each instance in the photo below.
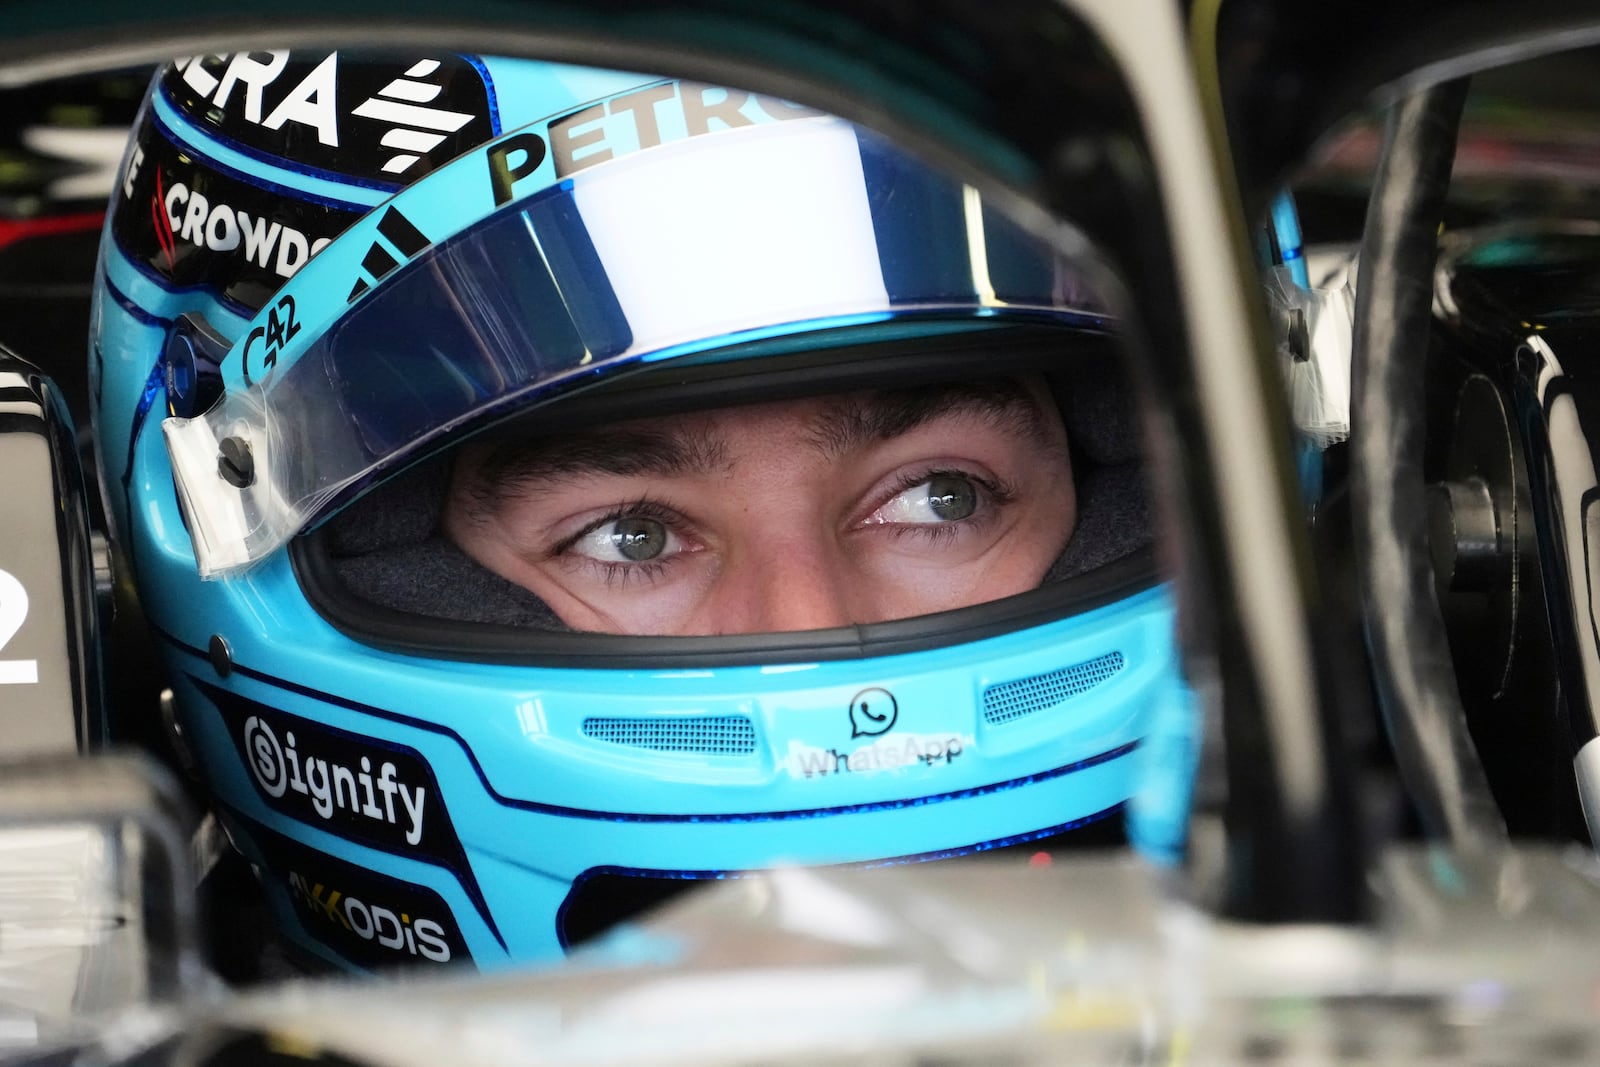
(135, 279)
(334, 191)
(152, 384)
(482, 68)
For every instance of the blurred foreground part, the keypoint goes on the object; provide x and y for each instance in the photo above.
(61, 143)
(53, 588)
(96, 897)
(1481, 961)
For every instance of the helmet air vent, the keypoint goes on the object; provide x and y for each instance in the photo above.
(1009, 701)
(708, 735)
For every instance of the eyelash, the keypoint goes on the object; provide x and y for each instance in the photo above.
(620, 574)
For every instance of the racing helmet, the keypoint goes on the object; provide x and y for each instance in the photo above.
(325, 275)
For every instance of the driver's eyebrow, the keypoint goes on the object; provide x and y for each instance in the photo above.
(867, 419)
(622, 451)
(685, 448)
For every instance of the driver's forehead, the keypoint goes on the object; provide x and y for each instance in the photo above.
(825, 428)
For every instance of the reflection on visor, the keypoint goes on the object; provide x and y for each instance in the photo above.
(749, 233)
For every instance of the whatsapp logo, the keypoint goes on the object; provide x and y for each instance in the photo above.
(872, 712)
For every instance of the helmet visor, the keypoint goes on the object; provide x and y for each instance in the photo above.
(740, 236)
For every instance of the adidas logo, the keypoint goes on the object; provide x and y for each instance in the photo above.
(416, 129)
(396, 233)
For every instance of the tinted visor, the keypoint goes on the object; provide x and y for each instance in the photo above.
(744, 235)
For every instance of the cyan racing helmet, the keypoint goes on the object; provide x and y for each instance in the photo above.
(328, 278)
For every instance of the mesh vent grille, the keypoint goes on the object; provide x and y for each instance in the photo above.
(1012, 700)
(714, 735)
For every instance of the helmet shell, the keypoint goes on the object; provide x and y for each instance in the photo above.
(407, 808)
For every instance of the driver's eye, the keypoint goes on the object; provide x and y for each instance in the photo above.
(951, 497)
(942, 498)
(633, 539)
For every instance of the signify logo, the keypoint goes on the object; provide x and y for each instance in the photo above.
(886, 754)
(374, 924)
(381, 795)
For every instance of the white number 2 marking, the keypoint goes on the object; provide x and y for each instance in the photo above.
(13, 610)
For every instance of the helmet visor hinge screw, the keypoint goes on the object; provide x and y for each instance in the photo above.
(221, 655)
(235, 464)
